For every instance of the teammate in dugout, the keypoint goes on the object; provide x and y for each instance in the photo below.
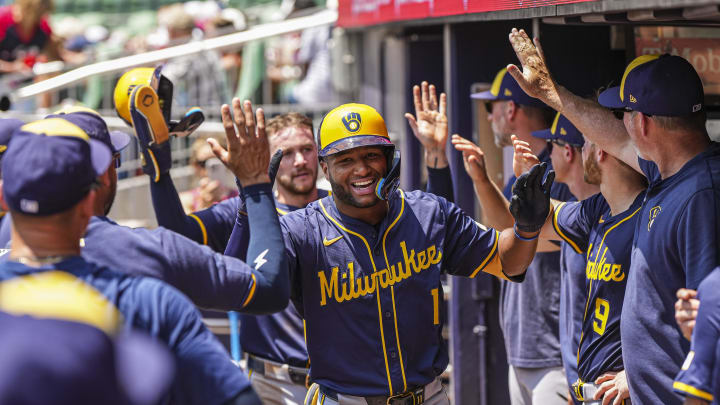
(275, 344)
(367, 341)
(601, 227)
(529, 316)
(564, 143)
(51, 168)
(699, 377)
(226, 282)
(663, 135)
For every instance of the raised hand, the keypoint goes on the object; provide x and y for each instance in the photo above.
(473, 158)
(530, 202)
(248, 152)
(535, 78)
(686, 308)
(430, 123)
(523, 158)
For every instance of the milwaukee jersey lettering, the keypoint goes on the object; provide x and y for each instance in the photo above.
(606, 241)
(371, 295)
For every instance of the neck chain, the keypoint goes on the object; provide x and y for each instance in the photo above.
(42, 260)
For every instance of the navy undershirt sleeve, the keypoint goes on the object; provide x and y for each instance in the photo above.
(440, 183)
(169, 210)
(266, 252)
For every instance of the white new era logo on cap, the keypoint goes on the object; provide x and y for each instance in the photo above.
(697, 107)
(30, 206)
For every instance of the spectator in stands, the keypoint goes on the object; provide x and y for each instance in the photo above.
(198, 78)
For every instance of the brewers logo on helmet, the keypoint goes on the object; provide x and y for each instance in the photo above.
(356, 125)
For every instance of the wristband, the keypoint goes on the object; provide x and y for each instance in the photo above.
(522, 238)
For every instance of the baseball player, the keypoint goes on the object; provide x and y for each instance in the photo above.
(564, 143)
(275, 344)
(225, 283)
(51, 168)
(699, 377)
(662, 134)
(535, 374)
(363, 258)
(601, 227)
(106, 368)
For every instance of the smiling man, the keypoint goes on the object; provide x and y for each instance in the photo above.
(367, 261)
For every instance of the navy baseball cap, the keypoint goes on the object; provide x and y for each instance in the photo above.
(7, 127)
(561, 129)
(50, 165)
(504, 87)
(92, 123)
(57, 361)
(665, 85)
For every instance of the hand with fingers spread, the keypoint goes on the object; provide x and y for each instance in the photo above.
(473, 158)
(535, 78)
(430, 124)
(686, 309)
(248, 152)
(613, 388)
(530, 202)
(523, 158)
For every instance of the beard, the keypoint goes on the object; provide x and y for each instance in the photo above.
(592, 173)
(286, 182)
(501, 138)
(112, 190)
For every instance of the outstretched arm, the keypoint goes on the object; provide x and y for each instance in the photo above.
(248, 157)
(494, 204)
(596, 122)
(430, 127)
(530, 207)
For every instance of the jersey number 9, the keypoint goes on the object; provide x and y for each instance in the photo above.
(602, 311)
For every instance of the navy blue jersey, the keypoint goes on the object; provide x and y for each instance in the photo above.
(377, 291)
(204, 372)
(675, 245)
(572, 309)
(700, 374)
(158, 253)
(278, 337)
(606, 240)
(529, 312)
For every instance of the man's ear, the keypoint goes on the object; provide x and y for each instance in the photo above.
(600, 155)
(511, 110)
(324, 167)
(644, 123)
(569, 153)
(3, 204)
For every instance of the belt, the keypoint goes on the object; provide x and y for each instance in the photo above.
(585, 392)
(415, 396)
(295, 375)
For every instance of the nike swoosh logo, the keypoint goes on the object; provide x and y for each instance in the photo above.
(328, 242)
(601, 221)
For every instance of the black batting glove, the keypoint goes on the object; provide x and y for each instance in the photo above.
(530, 202)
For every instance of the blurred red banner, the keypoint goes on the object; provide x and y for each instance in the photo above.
(354, 13)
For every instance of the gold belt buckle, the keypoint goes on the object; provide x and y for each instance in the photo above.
(578, 389)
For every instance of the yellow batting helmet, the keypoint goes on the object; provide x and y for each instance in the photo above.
(139, 76)
(351, 126)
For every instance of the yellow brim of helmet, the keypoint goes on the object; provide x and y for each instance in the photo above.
(354, 142)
